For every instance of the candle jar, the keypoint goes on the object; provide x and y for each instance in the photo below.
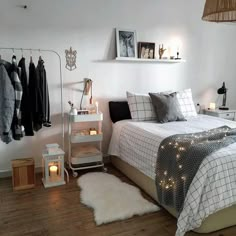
(53, 168)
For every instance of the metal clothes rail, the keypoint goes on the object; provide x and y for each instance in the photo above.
(61, 81)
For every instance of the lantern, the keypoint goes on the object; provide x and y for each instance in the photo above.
(53, 166)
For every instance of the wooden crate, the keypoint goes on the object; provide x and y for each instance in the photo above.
(23, 173)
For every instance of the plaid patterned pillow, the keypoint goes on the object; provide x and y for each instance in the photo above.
(141, 107)
(186, 103)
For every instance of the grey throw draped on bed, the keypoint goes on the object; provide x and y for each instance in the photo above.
(179, 157)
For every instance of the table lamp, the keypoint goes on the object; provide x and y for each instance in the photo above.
(223, 90)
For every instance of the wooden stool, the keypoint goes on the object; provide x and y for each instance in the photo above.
(23, 173)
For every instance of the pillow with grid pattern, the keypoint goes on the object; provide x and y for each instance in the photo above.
(140, 106)
(186, 103)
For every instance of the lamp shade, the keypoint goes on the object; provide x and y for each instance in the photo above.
(220, 11)
(222, 90)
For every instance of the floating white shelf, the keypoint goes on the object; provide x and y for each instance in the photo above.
(132, 59)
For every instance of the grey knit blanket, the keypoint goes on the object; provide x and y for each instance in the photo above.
(179, 157)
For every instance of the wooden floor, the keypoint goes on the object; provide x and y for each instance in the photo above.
(58, 211)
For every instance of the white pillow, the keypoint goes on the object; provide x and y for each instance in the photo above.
(186, 103)
(140, 106)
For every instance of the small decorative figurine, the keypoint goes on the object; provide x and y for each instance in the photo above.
(71, 59)
(161, 51)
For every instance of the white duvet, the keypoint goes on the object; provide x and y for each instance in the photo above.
(214, 185)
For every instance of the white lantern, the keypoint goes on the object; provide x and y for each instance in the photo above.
(53, 167)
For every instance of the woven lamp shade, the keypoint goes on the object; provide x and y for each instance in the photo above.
(220, 11)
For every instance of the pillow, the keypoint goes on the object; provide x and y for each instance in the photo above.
(140, 106)
(166, 107)
(119, 111)
(185, 100)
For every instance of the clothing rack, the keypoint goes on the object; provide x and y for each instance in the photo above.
(61, 79)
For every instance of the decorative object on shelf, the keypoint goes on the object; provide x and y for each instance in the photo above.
(82, 112)
(92, 131)
(223, 90)
(212, 106)
(161, 51)
(71, 59)
(73, 110)
(220, 11)
(126, 43)
(88, 86)
(177, 53)
(53, 166)
(146, 50)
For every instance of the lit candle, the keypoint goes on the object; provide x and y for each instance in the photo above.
(53, 172)
(96, 104)
(212, 106)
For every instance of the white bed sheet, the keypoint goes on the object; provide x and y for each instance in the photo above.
(214, 185)
(140, 147)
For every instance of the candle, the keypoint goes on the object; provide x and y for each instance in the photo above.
(212, 106)
(53, 172)
(96, 104)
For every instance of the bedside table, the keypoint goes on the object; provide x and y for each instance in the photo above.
(225, 114)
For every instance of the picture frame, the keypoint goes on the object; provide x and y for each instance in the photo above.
(126, 43)
(146, 50)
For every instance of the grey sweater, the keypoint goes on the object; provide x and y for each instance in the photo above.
(7, 103)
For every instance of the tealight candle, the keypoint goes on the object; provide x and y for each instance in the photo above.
(96, 104)
(212, 106)
(53, 171)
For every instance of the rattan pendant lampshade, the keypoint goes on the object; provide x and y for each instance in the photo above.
(220, 11)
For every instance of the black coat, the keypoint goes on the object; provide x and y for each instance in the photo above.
(26, 117)
(43, 86)
(35, 98)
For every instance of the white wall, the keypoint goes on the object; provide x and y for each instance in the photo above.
(88, 26)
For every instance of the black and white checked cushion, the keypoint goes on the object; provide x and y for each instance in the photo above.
(141, 107)
(185, 100)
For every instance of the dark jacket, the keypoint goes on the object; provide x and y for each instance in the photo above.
(26, 118)
(43, 86)
(16, 123)
(35, 98)
(7, 102)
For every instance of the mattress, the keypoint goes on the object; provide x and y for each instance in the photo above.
(214, 185)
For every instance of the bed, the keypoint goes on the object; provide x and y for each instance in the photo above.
(134, 147)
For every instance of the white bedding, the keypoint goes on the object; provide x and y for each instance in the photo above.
(214, 186)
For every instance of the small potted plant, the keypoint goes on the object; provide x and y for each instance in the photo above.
(73, 110)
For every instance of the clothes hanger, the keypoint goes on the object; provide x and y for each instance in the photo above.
(22, 52)
(40, 58)
(31, 58)
(14, 56)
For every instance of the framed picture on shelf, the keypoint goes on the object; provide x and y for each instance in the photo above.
(146, 50)
(126, 43)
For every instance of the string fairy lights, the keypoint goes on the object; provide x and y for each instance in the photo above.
(180, 145)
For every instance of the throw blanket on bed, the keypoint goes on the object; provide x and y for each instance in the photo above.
(179, 157)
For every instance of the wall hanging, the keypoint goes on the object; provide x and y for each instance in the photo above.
(71, 59)
(126, 43)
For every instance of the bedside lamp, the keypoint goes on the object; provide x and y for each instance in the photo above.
(88, 86)
(223, 90)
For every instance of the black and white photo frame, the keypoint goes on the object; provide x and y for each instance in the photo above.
(126, 43)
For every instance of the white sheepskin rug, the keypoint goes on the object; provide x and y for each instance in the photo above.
(112, 199)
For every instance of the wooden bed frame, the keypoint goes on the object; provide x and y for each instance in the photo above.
(219, 220)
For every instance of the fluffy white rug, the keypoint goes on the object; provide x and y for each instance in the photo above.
(112, 199)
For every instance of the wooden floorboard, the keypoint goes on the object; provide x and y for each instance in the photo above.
(58, 211)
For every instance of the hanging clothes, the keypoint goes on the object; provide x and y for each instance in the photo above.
(26, 118)
(17, 129)
(7, 102)
(35, 98)
(43, 86)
